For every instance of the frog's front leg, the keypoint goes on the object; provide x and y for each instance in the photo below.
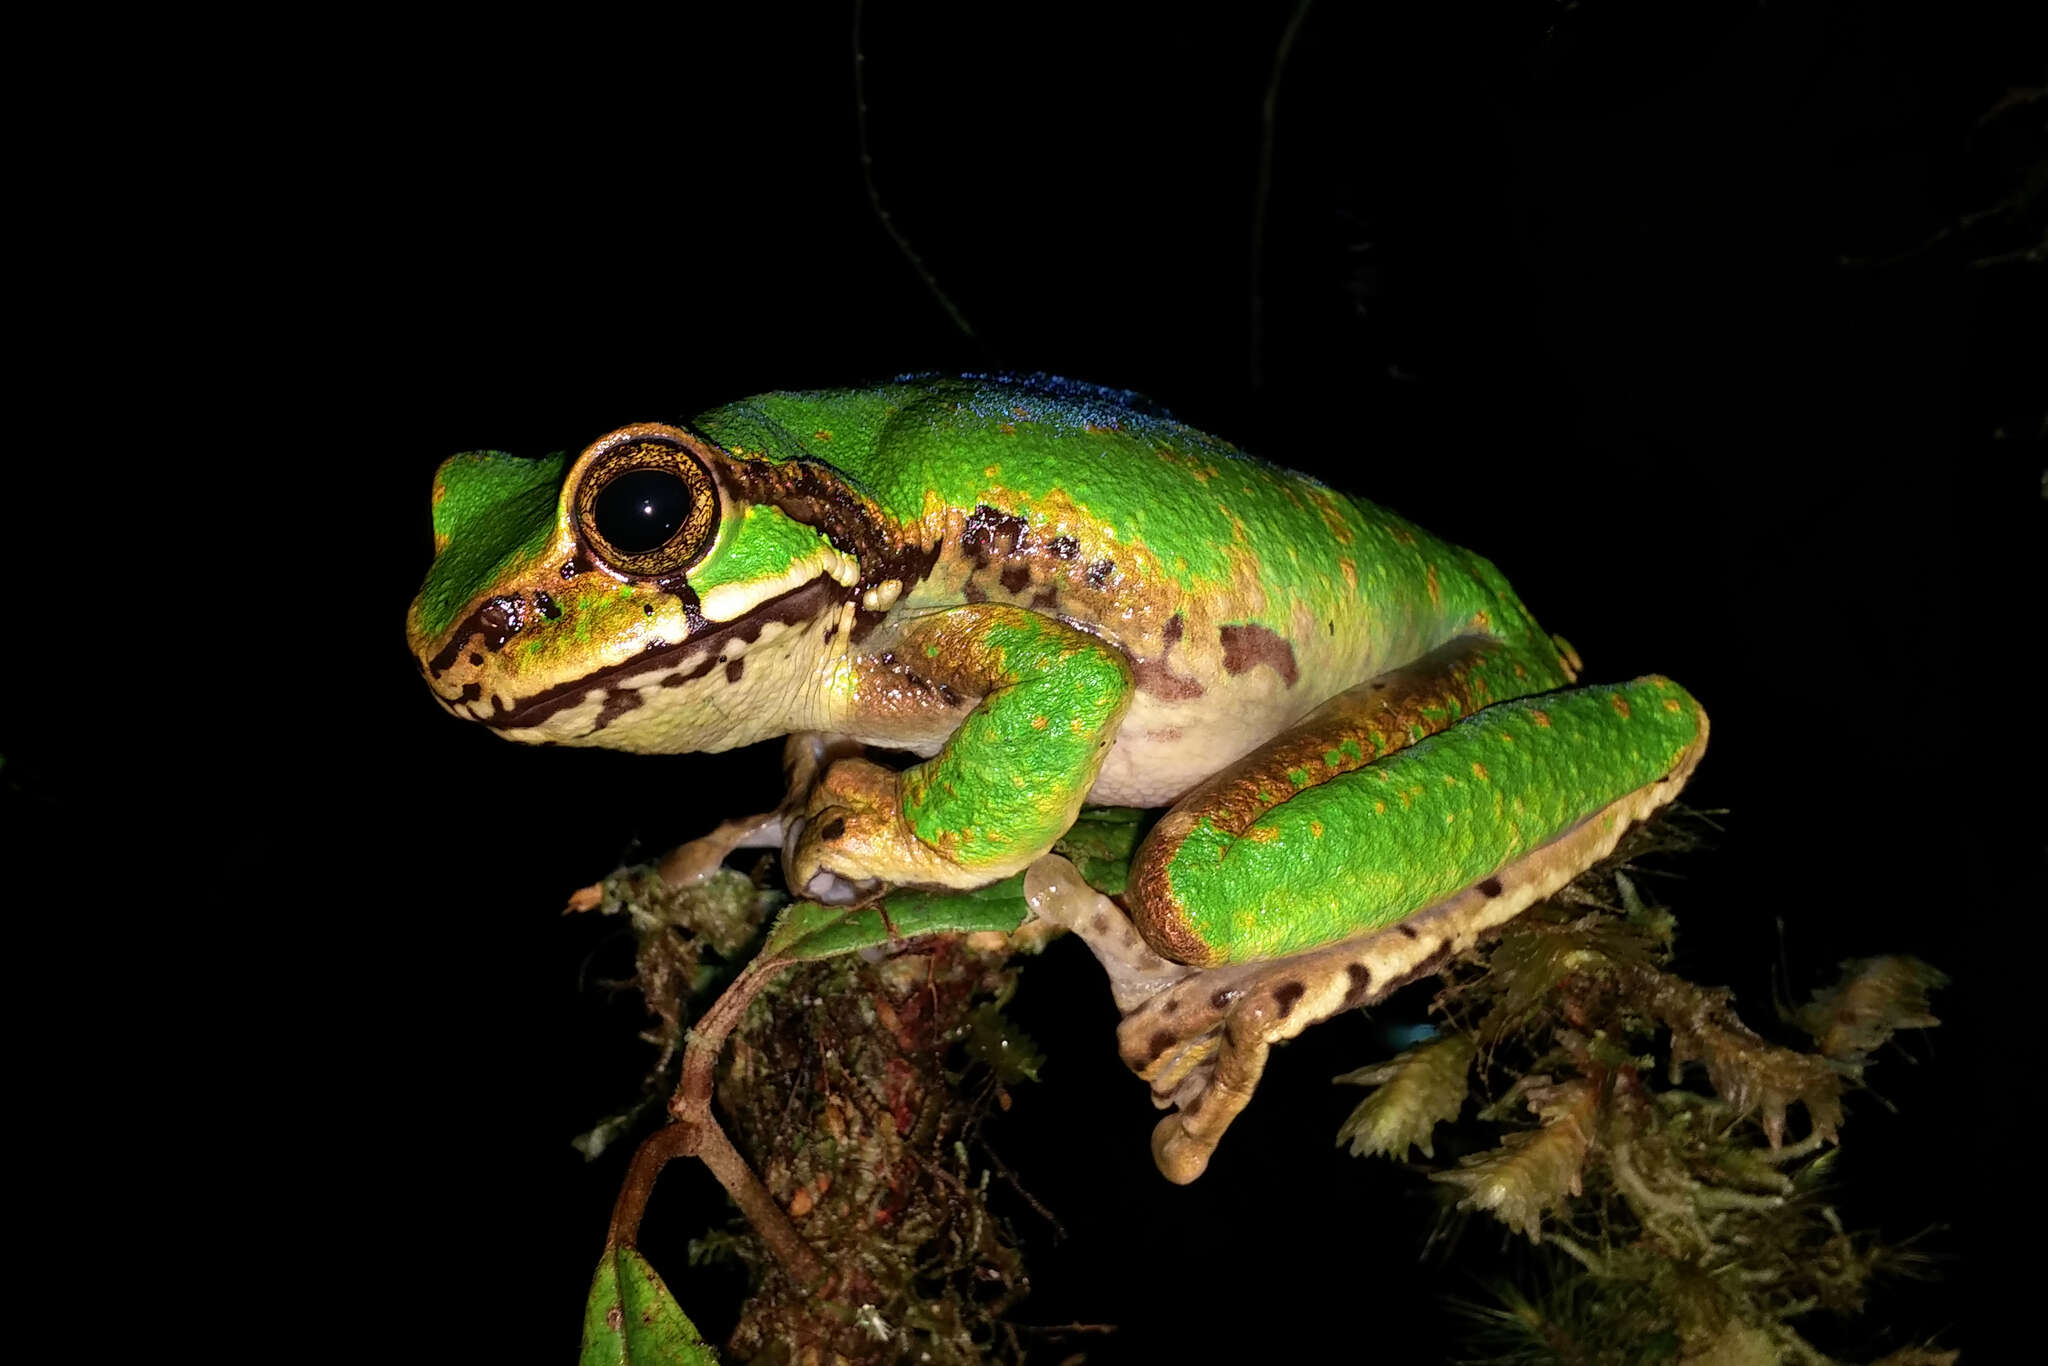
(1008, 780)
(1347, 857)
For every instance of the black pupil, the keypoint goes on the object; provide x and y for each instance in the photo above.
(639, 511)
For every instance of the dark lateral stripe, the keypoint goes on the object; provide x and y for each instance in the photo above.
(802, 603)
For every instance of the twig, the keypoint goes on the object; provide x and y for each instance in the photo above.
(1267, 113)
(695, 1131)
(867, 176)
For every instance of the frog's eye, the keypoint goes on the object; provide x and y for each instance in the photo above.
(646, 507)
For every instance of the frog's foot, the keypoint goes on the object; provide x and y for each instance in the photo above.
(1057, 893)
(1201, 1043)
(692, 862)
(852, 838)
(804, 756)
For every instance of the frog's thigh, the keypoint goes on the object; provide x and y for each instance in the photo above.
(1401, 862)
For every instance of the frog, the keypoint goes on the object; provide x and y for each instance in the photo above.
(970, 605)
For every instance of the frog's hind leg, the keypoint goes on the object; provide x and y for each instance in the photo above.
(1310, 891)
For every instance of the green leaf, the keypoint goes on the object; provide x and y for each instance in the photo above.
(807, 931)
(632, 1320)
(1101, 843)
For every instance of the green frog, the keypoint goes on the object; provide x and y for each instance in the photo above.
(1048, 594)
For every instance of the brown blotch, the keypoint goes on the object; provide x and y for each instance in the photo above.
(546, 604)
(1160, 1042)
(475, 659)
(472, 691)
(1491, 887)
(1407, 930)
(1249, 645)
(1100, 924)
(1099, 572)
(1015, 577)
(734, 670)
(1360, 977)
(832, 829)
(1064, 547)
(974, 592)
(1156, 676)
(992, 534)
(1044, 600)
(500, 619)
(1224, 997)
(1285, 995)
(617, 702)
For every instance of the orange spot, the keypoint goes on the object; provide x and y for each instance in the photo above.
(1380, 808)
(1332, 518)
(1479, 770)
(1007, 428)
(1040, 722)
(1403, 536)
(821, 436)
(1508, 736)
(1481, 620)
(1671, 704)
(1450, 781)
(1262, 834)
(1621, 705)
(1436, 595)
(1316, 828)
(1541, 718)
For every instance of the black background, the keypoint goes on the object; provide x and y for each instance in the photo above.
(1566, 285)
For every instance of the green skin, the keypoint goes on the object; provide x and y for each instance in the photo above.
(1052, 597)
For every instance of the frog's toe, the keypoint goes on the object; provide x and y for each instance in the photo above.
(792, 841)
(1180, 1159)
(833, 890)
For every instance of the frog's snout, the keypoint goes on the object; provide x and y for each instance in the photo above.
(457, 669)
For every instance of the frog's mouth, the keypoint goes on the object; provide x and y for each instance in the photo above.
(615, 690)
